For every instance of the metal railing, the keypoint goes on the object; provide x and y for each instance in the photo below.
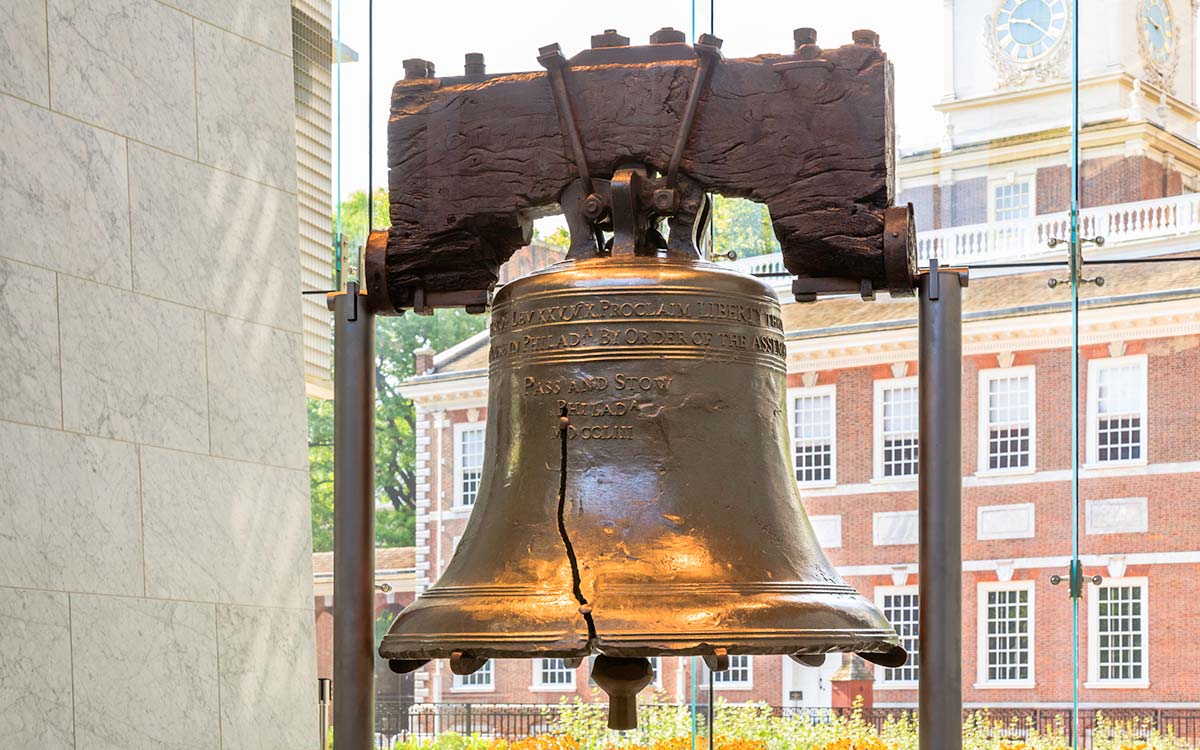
(1120, 224)
(396, 721)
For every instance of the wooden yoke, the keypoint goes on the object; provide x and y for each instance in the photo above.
(474, 159)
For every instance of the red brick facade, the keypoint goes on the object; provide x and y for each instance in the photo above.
(1105, 181)
(1166, 554)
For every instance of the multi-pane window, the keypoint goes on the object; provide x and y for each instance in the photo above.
(480, 679)
(656, 665)
(738, 673)
(1119, 632)
(901, 607)
(813, 434)
(553, 673)
(1007, 615)
(1012, 201)
(1006, 412)
(469, 457)
(1117, 409)
(896, 428)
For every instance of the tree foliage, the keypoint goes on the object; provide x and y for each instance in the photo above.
(742, 226)
(395, 448)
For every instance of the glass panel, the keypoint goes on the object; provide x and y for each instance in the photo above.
(1079, 398)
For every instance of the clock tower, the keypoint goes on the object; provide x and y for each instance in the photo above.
(1004, 158)
(1008, 64)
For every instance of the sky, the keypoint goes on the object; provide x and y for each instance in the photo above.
(509, 34)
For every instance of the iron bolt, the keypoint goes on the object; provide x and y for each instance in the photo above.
(865, 37)
(592, 207)
(610, 38)
(563, 423)
(417, 68)
(664, 199)
(804, 36)
(667, 35)
(474, 64)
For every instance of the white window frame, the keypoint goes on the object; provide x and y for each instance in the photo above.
(982, 591)
(881, 385)
(984, 453)
(816, 390)
(459, 429)
(1093, 409)
(1093, 635)
(1013, 178)
(728, 684)
(460, 684)
(540, 685)
(881, 680)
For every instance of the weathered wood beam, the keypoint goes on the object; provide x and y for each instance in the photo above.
(472, 160)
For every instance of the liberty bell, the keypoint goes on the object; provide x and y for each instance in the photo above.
(638, 496)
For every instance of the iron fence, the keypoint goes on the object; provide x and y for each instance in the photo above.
(402, 720)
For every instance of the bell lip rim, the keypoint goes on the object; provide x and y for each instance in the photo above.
(880, 646)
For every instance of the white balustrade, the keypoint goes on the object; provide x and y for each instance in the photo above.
(1024, 239)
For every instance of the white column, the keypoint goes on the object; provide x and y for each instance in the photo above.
(948, 91)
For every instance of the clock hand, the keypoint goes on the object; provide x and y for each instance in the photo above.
(1028, 22)
(1038, 27)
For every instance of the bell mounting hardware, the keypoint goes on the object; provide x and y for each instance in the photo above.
(473, 159)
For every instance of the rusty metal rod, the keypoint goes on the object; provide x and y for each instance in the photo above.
(353, 519)
(940, 508)
(710, 55)
(556, 65)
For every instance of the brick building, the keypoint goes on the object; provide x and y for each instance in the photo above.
(852, 400)
(995, 189)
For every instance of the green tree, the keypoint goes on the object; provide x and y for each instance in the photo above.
(560, 237)
(395, 448)
(742, 226)
(354, 217)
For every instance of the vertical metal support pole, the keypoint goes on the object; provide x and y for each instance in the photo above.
(353, 519)
(323, 711)
(940, 509)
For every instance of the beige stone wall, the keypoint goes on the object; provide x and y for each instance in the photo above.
(155, 568)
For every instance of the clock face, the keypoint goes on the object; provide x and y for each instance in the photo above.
(1027, 30)
(1157, 30)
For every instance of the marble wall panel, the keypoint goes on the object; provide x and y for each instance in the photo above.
(145, 674)
(35, 670)
(133, 367)
(64, 198)
(267, 696)
(256, 393)
(69, 512)
(253, 522)
(23, 49)
(268, 22)
(253, 136)
(125, 65)
(32, 391)
(206, 238)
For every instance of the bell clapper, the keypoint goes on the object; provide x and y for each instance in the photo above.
(622, 678)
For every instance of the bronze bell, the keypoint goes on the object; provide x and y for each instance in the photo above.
(638, 497)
